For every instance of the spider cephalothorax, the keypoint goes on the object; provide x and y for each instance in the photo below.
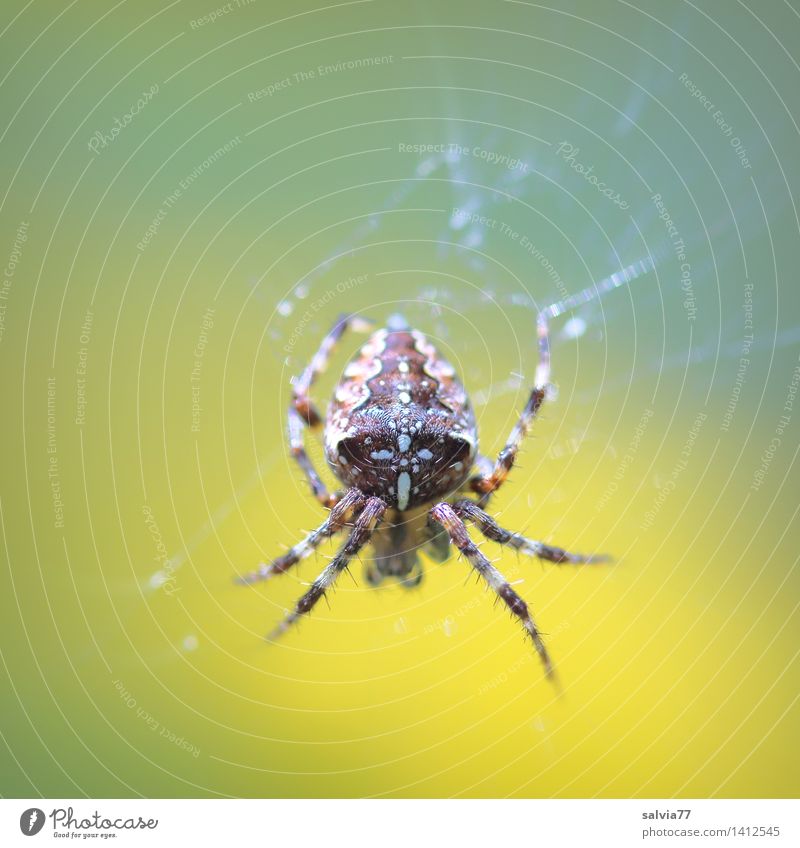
(400, 434)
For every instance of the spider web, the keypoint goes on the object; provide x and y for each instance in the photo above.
(573, 311)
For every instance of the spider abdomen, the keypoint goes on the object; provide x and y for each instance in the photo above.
(400, 426)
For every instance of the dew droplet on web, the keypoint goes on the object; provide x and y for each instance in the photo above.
(458, 220)
(574, 328)
(474, 238)
(426, 167)
(157, 580)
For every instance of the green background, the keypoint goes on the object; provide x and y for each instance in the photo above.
(131, 663)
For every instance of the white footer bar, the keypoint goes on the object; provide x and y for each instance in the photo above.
(401, 823)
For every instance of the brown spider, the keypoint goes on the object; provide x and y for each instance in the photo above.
(401, 435)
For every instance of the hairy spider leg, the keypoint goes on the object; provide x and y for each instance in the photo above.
(457, 530)
(485, 484)
(361, 533)
(303, 413)
(492, 530)
(338, 516)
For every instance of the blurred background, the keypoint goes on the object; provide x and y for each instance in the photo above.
(192, 193)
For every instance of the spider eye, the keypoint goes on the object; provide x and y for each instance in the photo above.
(463, 445)
(363, 450)
(351, 449)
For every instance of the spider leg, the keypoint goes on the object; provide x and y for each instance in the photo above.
(482, 467)
(445, 515)
(303, 413)
(297, 447)
(335, 521)
(362, 530)
(492, 530)
(485, 484)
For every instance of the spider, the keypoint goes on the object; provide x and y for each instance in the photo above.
(401, 436)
